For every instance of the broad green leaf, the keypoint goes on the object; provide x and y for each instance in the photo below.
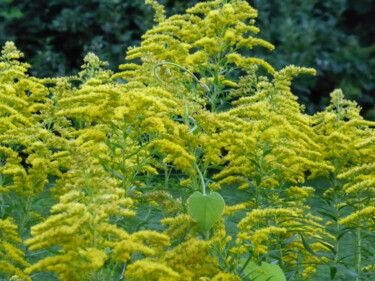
(205, 209)
(265, 272)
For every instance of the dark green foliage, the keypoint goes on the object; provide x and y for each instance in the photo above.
(334, 37)
(55, 35)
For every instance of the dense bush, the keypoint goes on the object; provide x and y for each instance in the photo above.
(56, 34)
(194, 162)
(334, 37)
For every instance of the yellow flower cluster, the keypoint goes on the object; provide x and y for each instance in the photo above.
(81, 225)
(149, 270)
(283, 230)
(11, 257)
(188, 261)
(207, 35)
(347, 139)
(22, 138)
(271, 138)
(159, 10)
(348, 142)
(226, 277)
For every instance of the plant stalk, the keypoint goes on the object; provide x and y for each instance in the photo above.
(358, 257)
(203, 185)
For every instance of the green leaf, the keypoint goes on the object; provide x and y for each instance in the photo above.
(290, 239)
(333, 271)
(205, 209)
(267, 151)
(265, 272)
(307, 246)
(343, 231)
(334, 218)
(255, 163)
(329, 246)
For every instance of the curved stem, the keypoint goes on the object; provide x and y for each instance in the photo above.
(201, 178)
(203, 85)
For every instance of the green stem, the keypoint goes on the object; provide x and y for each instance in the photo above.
(256, 197)
(186, 121)
(216, 85)
(24, 218)
(186, 115)
(281, 263)
(2, 206)
(245, 264)
(123, 160)
(336, 202)
(358, 257)
(203, 85)
(337, 228)
(123, 271)
(203, 185)
(166, 176)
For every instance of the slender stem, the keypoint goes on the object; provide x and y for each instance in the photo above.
(123, 169)
(203, 85)
(258, 182)
(203, 185)
(245, 264)
(2, 205)
(186, 121)
(24, 215)
(281, 263)
(166, 176)
(337, 228)
(358, 248)
(186, 115)
(123, 272)
(113, 270)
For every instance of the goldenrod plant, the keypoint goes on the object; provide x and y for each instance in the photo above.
(194, 162)
(12, 258)
(347, 142)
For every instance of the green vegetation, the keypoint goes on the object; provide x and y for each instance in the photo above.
(195, 162)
